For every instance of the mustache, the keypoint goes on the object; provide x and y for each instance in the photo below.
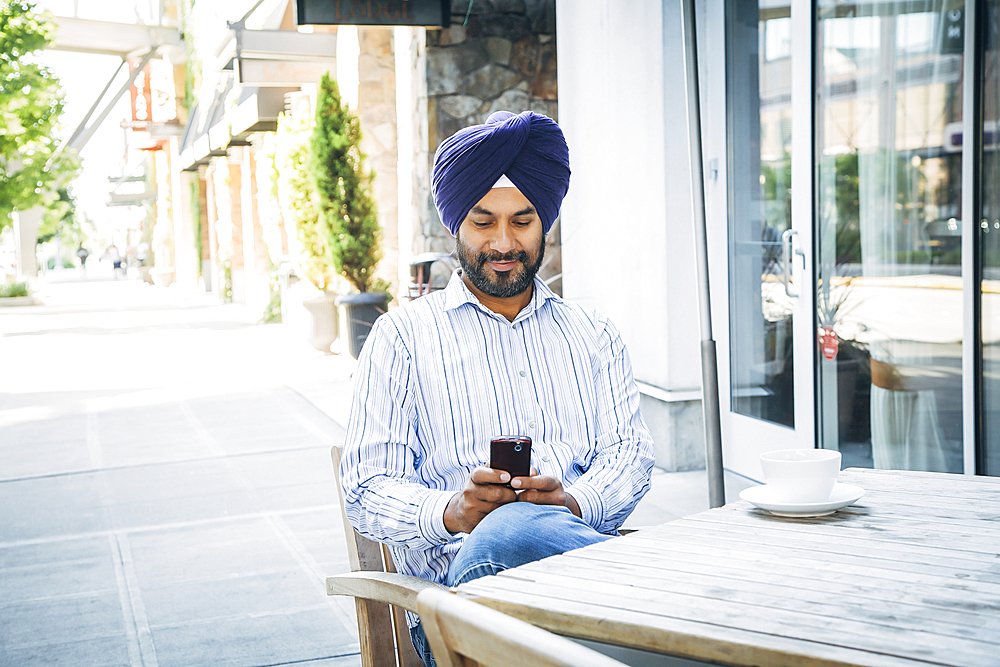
(483, 257)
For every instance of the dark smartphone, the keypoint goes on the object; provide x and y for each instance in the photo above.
(511, 453)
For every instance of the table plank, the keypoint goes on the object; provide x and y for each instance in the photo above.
(912, 558)
(876, 527)
(694, 632)
(793, 593)
(692, 639)
(979, 565)
(908, 576)
(817, 579)
(927, 484)
(838, 623)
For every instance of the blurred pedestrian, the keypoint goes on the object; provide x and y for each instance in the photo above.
(115, 257)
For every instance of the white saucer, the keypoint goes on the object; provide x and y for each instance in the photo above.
(842, 496)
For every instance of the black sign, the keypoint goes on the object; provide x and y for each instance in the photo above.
(375, 12)
(953, 31)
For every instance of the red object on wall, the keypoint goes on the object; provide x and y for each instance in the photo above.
(142, 95)
(828, 343)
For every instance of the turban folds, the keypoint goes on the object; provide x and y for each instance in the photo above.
(528, 148)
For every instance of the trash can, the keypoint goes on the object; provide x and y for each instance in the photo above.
(362, 310)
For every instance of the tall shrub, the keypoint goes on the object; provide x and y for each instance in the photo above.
(297, 194)
(343, 186)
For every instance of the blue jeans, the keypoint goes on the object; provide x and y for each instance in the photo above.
(512, 535)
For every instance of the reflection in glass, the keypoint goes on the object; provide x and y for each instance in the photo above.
(760, 134)
(989, 243)
(889, 290)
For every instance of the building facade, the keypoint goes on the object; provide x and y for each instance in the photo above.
(850, 179)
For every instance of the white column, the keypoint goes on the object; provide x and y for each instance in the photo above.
(25, 239)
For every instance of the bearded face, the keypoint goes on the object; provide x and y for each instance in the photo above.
(484, 268)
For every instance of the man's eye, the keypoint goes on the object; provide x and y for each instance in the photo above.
(522, 223)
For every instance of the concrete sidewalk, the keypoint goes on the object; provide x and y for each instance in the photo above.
(166, 495)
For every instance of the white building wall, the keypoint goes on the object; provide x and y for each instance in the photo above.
(628, 247)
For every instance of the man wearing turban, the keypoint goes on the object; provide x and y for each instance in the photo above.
(494, 353)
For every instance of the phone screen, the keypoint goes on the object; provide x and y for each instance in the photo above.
(511, 453)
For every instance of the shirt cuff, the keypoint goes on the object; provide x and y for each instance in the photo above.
(432, 518)
(591, 508)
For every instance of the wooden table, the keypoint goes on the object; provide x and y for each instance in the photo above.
(909, 575)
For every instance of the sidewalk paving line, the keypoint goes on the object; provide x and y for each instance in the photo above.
(339, 604)
(173, 525)
(139, 637)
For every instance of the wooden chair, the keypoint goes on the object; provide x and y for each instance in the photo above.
(462, 633)
(380, 594)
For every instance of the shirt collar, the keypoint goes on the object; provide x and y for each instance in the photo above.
(457, 294)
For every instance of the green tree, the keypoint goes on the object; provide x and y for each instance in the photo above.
(847, 197)
(346, 207)
(30, 105)
(297, 193)
(60, 216)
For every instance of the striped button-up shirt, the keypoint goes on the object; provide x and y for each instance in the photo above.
(441, 376)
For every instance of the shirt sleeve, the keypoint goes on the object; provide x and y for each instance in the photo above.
(619, 473)
(384, 498)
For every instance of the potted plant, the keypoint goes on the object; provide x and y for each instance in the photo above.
(15, 294)
(297, 192)
(347, 210)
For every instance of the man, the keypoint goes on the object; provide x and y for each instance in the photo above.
(495, 353)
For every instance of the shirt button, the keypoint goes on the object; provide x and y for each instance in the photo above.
(531, 424)
(545, 459)
(521, 373)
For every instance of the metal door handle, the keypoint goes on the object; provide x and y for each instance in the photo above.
(789, 250)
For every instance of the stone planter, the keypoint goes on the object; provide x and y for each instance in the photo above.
(162, 277)
(17, 301)
(362, 311)
(324, 327)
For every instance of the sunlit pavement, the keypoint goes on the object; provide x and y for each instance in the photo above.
(166, 495)
(165, 487)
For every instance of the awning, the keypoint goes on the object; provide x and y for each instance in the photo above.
(262, 66)
(277, 58)
(210, 132)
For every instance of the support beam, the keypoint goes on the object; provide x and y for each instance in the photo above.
(111, 38)
(80, 139)
(97, 102)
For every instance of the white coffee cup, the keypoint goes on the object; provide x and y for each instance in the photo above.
(801, 475)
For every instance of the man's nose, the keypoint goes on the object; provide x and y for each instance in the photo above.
(503, 240)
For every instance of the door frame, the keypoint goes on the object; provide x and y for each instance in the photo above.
(745, 438)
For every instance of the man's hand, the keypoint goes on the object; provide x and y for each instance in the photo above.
(543, 490)
(483, 492)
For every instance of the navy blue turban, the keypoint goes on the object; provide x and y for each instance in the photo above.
(528, 148)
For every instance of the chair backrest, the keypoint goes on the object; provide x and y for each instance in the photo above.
(463, 633)
(382, 631)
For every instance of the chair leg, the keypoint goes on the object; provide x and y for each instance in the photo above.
(378, 646)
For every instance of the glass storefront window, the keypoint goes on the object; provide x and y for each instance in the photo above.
(760, 135)
(888, 235)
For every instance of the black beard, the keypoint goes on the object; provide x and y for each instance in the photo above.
(507, 283)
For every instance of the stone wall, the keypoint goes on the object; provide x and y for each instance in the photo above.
(503, 58)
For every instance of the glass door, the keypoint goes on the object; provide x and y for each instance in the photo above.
(889, 285)
(989, 242)
(767, 385)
